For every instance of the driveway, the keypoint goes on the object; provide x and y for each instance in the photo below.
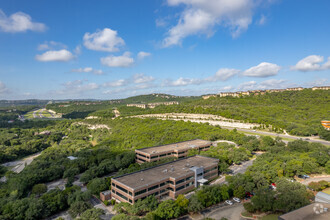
(232, 212)
(99, 205)
(316, 179)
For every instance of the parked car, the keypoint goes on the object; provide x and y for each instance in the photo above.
(248, 195)
(303, 176)
(229, 202)
(273, 186)
(236, 199)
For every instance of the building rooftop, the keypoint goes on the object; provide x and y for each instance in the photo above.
(175, 146)
(173, 169)
(315, 211)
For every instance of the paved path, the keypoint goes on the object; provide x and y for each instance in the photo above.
(19, 165)
(309, 139)
(316, 179)
(235, 169)
(232, 212)
(225, 123)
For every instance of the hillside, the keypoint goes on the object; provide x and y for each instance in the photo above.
(298, 112)
(81, 109)
(158, 97)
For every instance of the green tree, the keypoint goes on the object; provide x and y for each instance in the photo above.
(92, 214)
(78, 208)
(194, 204)
(263, 199)
(183, 203)
(167, 210)
(290, 195)
(39, 189)
(239, 192)
(97, 185)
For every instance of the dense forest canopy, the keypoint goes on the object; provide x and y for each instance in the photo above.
(104, 152)
(298, 112)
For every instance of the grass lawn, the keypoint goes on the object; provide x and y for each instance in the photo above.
(271, 217)
(29, 115)
(327, 191)
(46, 114)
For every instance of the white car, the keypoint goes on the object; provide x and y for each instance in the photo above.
(229, 202)
(236, 199)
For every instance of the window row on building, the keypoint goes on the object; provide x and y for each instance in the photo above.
(170, 179)
(178, 150)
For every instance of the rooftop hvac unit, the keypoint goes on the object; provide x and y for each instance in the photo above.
(165, 171)
(172, 169)
(177, 145)
(142, 179)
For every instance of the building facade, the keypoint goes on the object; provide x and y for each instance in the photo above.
(321, 88)
(178, 150)
(167, 180)
(326, 125)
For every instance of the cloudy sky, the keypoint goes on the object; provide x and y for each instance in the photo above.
(114, 49)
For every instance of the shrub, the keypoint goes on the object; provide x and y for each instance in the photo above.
(249, 207)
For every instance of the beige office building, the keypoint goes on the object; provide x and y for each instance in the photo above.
(167, 180)
(178, 150)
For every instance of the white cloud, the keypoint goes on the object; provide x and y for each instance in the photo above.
(77, 87)
(160, 22)
(115, 91)
(327, 64)
(272, 84)
(55, 55)
(77, 50)
(251, 85)
(267, 84)
(264, 69)
(118, 61)
(87, 70)
(3, 89)
(223, 74)
(117, 83)
(227, 88)
(19, 22)
(103, 40)
(318, 82)
(182, 82)
(312, 63)
(141, 55)
(141, 78)
(51, 45)
(262, 20)
(200, 17)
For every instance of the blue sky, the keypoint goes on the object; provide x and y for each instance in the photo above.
(114, 49)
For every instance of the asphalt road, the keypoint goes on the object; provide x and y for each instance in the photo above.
(281, 135)
(316, 179)
(19, 165)
(232, 212)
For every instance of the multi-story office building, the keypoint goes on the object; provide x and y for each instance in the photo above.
(178, 150)
(167, 180)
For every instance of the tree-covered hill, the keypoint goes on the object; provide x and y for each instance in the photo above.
(157, 97)
(298, 112)
(81, 109)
